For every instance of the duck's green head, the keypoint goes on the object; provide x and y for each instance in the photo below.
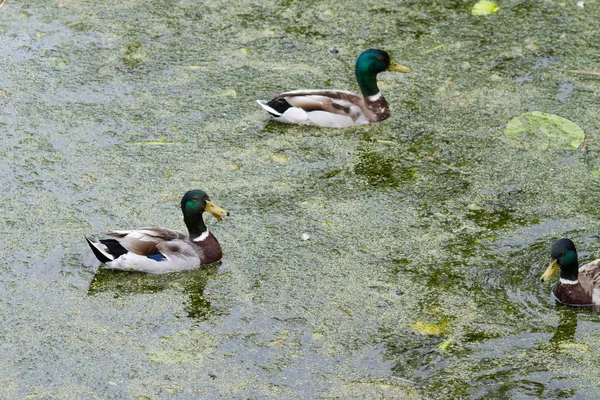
(369, 64)
(564, 256)
(195, 202)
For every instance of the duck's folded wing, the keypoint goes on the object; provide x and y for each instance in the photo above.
(145, 241)
(589, 274)
(176, 248)
(333, 101)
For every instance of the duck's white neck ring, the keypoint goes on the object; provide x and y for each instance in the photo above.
(202, 237)
(375, 97)
(564, 281)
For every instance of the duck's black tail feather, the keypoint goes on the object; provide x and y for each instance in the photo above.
(107, 249)
(279, 104)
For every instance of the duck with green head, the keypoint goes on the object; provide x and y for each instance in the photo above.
(339, 108)
(161, 250)
(577, 286)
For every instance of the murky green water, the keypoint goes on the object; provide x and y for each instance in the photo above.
(110, 111)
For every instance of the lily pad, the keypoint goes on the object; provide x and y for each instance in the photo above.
(484, 7)
(543, 130)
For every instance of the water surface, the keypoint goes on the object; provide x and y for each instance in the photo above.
(110, 111)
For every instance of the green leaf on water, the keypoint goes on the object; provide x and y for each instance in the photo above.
(279, 158)
(445, 344)
(543, 130)
(484, 7)
(231, 93)
(434, 48)
(74, 23)
(427, 328)
(574, 346)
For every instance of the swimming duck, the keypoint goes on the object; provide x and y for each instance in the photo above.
(577, 286)
(339, 108)
(161, 250)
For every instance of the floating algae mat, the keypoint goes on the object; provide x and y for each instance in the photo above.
(543, 130)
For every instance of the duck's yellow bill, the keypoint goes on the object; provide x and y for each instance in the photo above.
(550, 271)
(215, 210)
(398, 68)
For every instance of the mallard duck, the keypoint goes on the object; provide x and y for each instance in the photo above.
(339, 108)
(577, 286)
(161, 250)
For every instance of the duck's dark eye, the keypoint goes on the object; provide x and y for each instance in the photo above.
(195, 198)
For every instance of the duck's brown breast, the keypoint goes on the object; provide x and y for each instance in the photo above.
(210, 250)
(573, 294)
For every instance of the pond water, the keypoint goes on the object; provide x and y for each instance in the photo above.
(397, 260)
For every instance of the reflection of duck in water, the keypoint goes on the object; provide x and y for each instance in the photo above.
(567, 327)
(577, 286)
(189, 284)
(339, 108)
(161, 250)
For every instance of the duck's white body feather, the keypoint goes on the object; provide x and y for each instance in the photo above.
(328, 108)
(172, 263)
